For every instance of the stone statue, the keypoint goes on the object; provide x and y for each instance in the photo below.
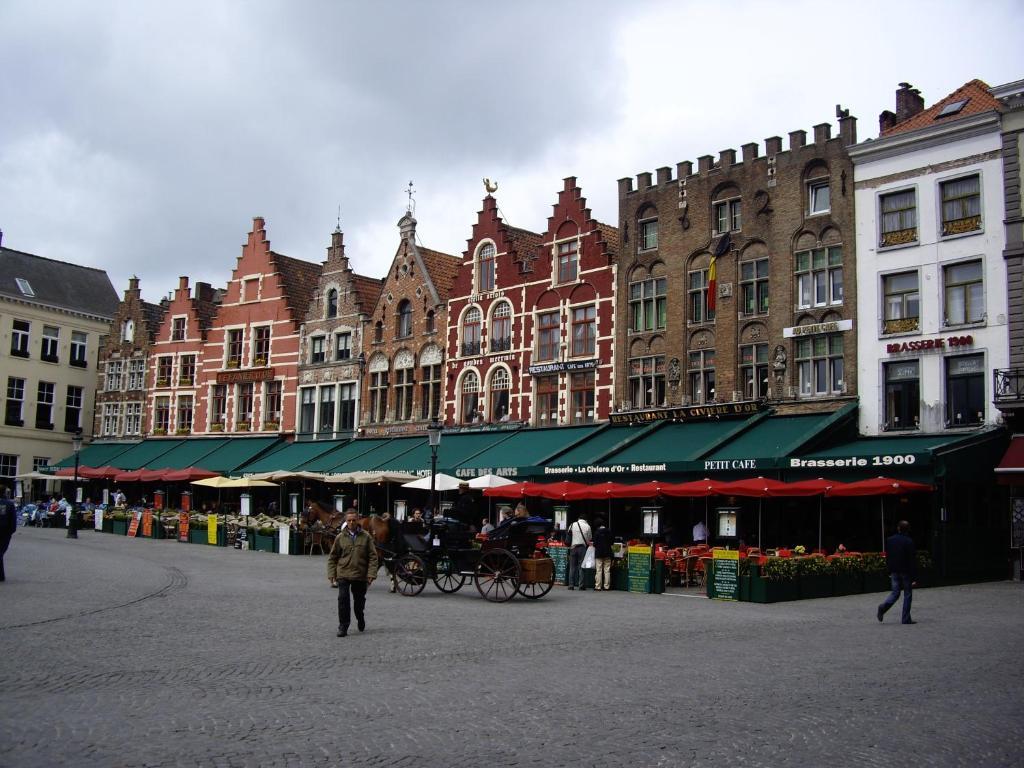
(779, 359)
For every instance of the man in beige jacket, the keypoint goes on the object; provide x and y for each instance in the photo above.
(353, 565)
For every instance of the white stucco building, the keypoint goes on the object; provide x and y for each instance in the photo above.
(931, 278)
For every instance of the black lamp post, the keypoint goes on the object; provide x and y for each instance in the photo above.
(76, 443)
(434, 436)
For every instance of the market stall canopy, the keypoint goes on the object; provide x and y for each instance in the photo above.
(558, 491)
(817, 486)
(514, 491)
(282, 475)
(442, 482)
(98, 473)
(96, 454)
(879, 486)
(34, 475)
(612, 490)
(291, 457)
(131, 476)
(1011, 469)
(490, 481)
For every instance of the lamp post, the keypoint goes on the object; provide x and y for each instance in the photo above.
(434, 436)
(76, 443)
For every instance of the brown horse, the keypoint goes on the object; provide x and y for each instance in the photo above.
(319, 526)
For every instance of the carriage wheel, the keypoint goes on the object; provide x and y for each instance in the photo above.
(497, 575)
(446, 577)
(537, 589)
(410, 575)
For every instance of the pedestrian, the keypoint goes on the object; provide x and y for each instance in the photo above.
(603, 555)
(901, 556)
(120, 500)
(353, 565)
(465, 506)
(8, 524)
(485, 526)
(700, 533)
(581, 539)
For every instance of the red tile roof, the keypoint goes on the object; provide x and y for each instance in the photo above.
(367, 292)
(300, 280)
(979, 99)
(610, 235)
(442, 268)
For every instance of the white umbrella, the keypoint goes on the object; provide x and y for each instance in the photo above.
(442, 482)
(234, 482)
(366, 478)
(279, 475)
(39, 476)
(490, 481)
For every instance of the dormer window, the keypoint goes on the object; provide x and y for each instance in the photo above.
(24, 286)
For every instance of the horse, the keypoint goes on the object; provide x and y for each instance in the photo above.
(319, 525)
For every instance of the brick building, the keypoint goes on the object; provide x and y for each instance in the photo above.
(122, 363)
(531, 338)
(779, 323)
(332, 339)
(403, 347)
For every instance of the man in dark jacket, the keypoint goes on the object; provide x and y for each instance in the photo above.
(8, 524)
(901, 555)
(353, 565)
(603, 557)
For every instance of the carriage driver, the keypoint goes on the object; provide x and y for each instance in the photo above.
(353, 565)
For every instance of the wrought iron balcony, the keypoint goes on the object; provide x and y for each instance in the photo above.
(502, 344)
(470, 348)
(1008, 386)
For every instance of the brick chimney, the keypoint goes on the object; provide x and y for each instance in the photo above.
(886, 120)
(909, 102)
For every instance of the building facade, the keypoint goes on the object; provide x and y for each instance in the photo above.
(932, 291)
(52, 317)
(736, 282)
(531, 336)
(331, 363)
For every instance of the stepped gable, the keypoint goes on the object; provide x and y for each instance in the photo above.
(977, 94)
(299, 279)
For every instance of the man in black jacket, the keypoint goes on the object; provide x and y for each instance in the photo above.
(901, 555)
(8, 525)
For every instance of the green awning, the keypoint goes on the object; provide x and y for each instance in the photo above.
(597, 443)
(141, 454)
(189, 454)
(290, 456)
(451, 453)
(350, 453)
(96, 455)
(237, 452)
(386, 457)
(676, 447)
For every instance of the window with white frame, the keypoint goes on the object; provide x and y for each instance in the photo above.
(113, 378)
(898, 211)
(498, 394)
(13, 408)
(818, 197)
(581, 398)
(78, 349)
(164, 367)
(325, 424)
(485, 268)
(185, 411)
(51, 344)
(343, 345)
(902, 303)
(568, 261)
(20, 330)
(218, 405)
(187, 371)
(700, 312)
(648, 305)
(132, 418)
(727, 216)
(136, 374)
(648, 234)
(965, 390)
(471, 332)
(584, 331)
(470, 405)
(430, 391)
(819, 277)
(234, 348)
(501, 328)
(111, 419)
(317, 349)
(965, 292)
(404, 389)
(754, 287)
(178, 329)
(819, 360)
(8, 465)
(346, 407)
(161, 415)
(307, 409)
(73, 408)
(548, 335)
(404, 319)
(961, 205)
(701, 375)
(271, 404)
(647, 381)
(546, 400)
(243, 406)
(378, 396)
(261, 345)
(332, 303)
(44, 405)
(754, 371)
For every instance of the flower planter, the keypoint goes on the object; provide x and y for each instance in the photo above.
(197, 535)
(877, 582)
(765, 591)
(744, 595)
(265, 543)
(295, 543)
(813, 587)
(620, 577)
(216, 427)
(119, 527)
(108, 525)
(847, 583)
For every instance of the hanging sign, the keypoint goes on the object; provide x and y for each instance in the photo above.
(726, 574)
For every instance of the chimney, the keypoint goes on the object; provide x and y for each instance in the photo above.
(886, 121)
(909, 102)
(183, 283)
(847, 126)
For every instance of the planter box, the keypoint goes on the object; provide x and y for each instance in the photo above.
(813, 587)
(108, 525)
(265, 543)
(877, 582)
(744, 589)
(765, 591)
(197, 535)
(119, 527)
(295, 543)
(620, 578)
(848, 583)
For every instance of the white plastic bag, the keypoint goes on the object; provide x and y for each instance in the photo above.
(589, 560)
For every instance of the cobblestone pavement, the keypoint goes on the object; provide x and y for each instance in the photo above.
(121, 652)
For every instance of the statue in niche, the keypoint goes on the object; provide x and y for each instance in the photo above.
(779, 359)
(673, 369)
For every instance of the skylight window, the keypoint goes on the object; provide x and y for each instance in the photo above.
(952, 108)
(24, 286)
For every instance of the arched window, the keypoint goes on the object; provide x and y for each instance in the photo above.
(471, 332)
(404, 319)
(470, 398)
(128, 331)
(498, 396)
(332, 303)
(378, 331)
(485, 267)
(404, 385)
(501, 328)
(428, 324)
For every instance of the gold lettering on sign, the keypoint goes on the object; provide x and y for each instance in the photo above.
(959, 226)
(899, 237)
(245, 377)
(902, 325)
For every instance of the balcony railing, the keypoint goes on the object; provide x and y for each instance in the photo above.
(1008, 385)
(503, 344)
(901, 325)
(470, 348)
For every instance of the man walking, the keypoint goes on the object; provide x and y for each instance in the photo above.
(901, 555)
(8, 524)
(603, 556)
(581, 538)
(353, 565)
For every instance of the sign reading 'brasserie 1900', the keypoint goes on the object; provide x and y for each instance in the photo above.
(690, 413)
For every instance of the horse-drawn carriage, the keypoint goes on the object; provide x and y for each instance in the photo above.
(510, 560)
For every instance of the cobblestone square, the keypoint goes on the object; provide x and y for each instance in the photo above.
(123, 652)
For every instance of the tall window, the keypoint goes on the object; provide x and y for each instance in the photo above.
(581, 393)
(51, 344)
(501, 328)
(819, 360)
(234, 348)
(819, 277)
(754, 287)
(8, 465)
(378, 332)
(15, 401)
(243, 406)
(501, 382)
(73, 409)
(548, 332)
(44, 405)
(317, 351)
(307, 409)
(899, 218)
(378, 396)
(701, 373)
(965, 390)
(902, 303)
(961, 205)
(698, 294)
(178, 329)
(326, 425)
(19, 338)
(471, 332)
(113, 381)
(754, 371)
(78, 349)
(128, 331)
(132, 418)
(218, 404)
(164, 364)
(430, 391)
(187, 370)
(403, 393)
(470, 398)
(332, 303)
(568, 261)
(185, 411)
(136, 374)
(272, 405)
(112, 418)
(648, 234)
(347, 407)
(485, 268)
(404, 319)
(647, 381)
(343, 345)
(648, 307)
(902, 395)
(965, 293)
(584, 331)
(261, 345)
(547, 401)
(727, 216)
(161, 416)
(818, 198)
(429, 326)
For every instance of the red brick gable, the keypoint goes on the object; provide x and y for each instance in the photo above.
(979, 99)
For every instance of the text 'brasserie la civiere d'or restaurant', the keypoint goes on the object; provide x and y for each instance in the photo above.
(793, 499)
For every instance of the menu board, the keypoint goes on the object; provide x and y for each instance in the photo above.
(183, 527)
(147, 523)
(638, 563)
(726, 574)
(133, 527)
(560, 556)
(211, 529)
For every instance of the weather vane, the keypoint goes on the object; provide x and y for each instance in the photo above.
(411, 207)
(490, 186)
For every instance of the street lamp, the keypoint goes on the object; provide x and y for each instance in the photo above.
(76, 443)
(434, 436)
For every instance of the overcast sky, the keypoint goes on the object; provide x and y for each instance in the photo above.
(143, 137)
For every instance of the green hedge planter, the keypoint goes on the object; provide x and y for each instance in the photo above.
(265, 543)
(108, 525)
(765, 591)
(119, 527)
(295, 543)
(620, 578)
(197, 535)
(847, 584)
(744, 589)
(814, 587)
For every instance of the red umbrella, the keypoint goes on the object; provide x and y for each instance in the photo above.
(757, 487)
(98, 473)
(880, 486)
(188, 475)
(696, 488)
(613, 490)
(559, 491)
(819, 486)
(67, 472)
(132, 476)
(151, 475)
(514, 491)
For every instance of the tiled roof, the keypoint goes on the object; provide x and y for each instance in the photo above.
(979, 99)
(300, 280)
(153, 315)
(58, 284)
(443, 268)
(610, 235)
(367, 292)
